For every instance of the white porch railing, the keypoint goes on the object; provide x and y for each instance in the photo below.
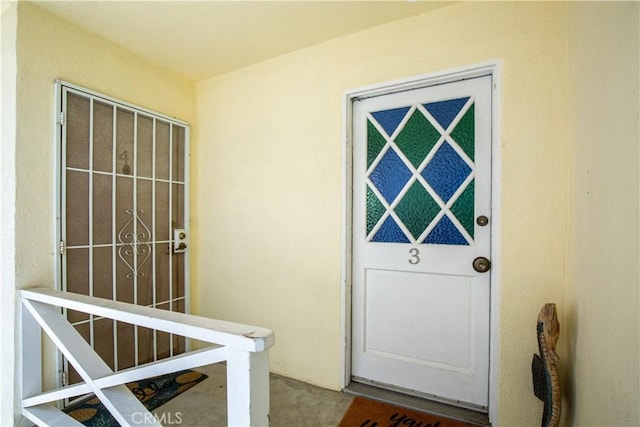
(243, 347)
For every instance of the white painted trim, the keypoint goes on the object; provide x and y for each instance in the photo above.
(31, 349)
(496, 238)
(423, 80)
(244, 348)
(118, 400)
(194, 359)
(187, 227)
(47, 415)
(57, 199)
(345, 280)
(120, 102)
(493, 68)
(241, 337)
(247, 378)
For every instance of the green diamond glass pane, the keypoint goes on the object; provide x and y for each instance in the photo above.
(464, 133)
(375, 143)
(375, 210)
(417, 209)
(417, 138)
(463, 208)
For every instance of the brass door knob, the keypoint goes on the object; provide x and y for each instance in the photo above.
(481, 264)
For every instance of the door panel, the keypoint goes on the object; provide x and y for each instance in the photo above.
(404, 293)
(123, 193)
(421, 176)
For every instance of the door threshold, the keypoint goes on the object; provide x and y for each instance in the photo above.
(417, 403)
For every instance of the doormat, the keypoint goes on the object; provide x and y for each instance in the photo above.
(371, 413)
(152, 392)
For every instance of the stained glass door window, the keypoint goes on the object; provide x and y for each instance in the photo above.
(420, 173)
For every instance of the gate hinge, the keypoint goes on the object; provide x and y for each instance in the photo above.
(61, 247)
(64, 378)
(61, 118)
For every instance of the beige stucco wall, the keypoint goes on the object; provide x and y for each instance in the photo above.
(271, 160)
(8, 76)
(49, 48)
(602, 327)
(267, 182)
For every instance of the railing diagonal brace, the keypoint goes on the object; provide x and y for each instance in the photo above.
(118, 400)
(50, 416)
(192, 359)
(244, 347)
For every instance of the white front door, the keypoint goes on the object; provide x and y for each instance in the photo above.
(421, 216)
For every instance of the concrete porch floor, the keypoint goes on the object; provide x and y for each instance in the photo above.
(293, 403)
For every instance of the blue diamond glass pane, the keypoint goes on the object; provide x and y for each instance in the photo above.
(390, 175)
(446, 233)
(446, 171)
(390, 232)
(390, 119)
(445, 111)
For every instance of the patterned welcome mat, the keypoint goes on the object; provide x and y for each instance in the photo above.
(152, 392)
(370, 413)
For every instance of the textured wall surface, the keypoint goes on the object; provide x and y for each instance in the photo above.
(271, 158)
(49, 48)
(602, 327)
(8, 79)
(267, 182)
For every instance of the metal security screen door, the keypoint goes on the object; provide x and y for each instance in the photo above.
(123, 222)
(421, 241)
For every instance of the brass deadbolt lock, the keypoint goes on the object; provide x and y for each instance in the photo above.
(482, 220)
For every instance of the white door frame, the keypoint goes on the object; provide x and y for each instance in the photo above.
(493, 68)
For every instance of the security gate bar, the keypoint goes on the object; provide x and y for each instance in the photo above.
(123, 198)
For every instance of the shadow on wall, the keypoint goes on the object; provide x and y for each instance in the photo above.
(569, 332)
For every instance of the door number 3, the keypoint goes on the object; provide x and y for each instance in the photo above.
(414, 252)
